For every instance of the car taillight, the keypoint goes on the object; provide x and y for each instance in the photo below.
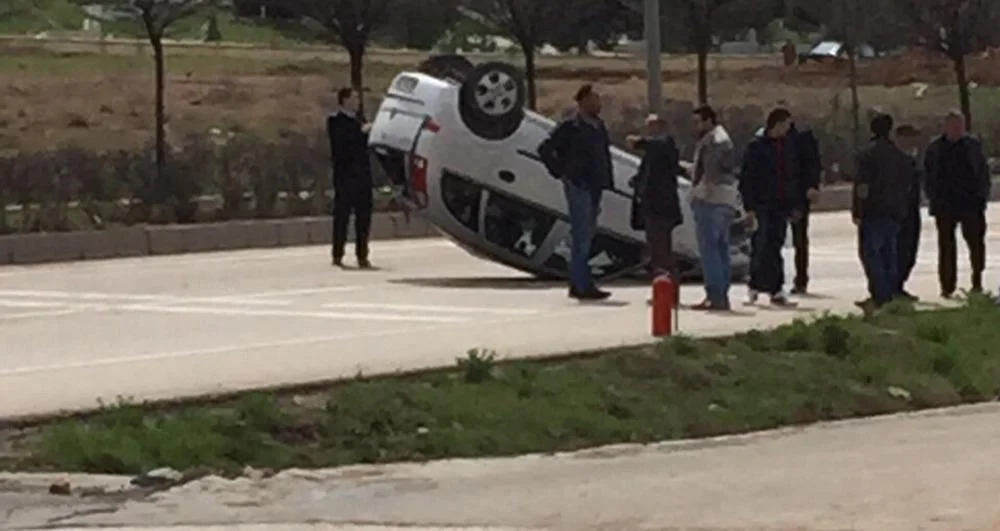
(418, 174)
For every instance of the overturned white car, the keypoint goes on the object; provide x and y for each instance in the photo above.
(463, 151)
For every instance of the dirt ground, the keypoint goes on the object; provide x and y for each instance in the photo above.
(104, 101)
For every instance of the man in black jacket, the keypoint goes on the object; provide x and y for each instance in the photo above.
(809, 167)
(352, 177)
(958, 183)
(656, 194)
(907, 137)
(883, 185)
(773, 196)
(578, 152)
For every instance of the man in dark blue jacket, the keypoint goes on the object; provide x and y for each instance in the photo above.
(578, 152)
(352, 177)
(958, 186)
(772, 195)
(882, 197)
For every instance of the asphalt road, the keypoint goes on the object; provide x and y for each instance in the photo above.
(167, 327)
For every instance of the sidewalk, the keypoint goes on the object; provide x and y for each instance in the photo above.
(930, 471)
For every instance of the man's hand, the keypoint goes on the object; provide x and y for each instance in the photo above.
(632, 140)
(366, 128)
(812, 194)
(750, 220)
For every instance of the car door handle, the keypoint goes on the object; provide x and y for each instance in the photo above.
(507, 176)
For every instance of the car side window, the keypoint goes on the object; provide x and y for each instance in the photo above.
(608, 256)
(462, 199)
(516, 226)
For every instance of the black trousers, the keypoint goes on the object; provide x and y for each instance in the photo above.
(973, 224)
(361, 205)
(907, 247)
(800, 240)
(767, 266)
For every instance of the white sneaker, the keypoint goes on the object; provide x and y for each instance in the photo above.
(781, 299)
(752, 296)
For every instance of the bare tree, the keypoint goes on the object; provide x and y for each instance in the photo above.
(533, 22)
(347, 22)
(701, 17)
(156, 17)
(955, 28)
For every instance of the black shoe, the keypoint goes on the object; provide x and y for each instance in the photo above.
(906, 295)
(946, 294)
(799, 290)
(591, 294)
(338, 261)
(781, 301)
(363, 263)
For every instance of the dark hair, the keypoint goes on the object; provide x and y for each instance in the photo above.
(343, 94)
(584, 92)
(777, 116)
(707, 114)
(881, 125)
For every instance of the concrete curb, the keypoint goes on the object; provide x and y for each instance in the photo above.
(149, 240)
(122, 242)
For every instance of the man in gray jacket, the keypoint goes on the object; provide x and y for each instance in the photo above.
(714, 197)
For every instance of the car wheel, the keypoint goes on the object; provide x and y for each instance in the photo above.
(448, 66)
(491, 100)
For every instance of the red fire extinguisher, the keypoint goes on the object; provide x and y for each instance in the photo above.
(664, 301)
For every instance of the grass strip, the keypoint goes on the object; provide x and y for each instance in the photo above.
(825, 368)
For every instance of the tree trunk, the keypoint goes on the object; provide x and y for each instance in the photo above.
(702, 45)
(528, 48)
(961, 78)
(160, 112)
(702, 76)
(852, 63)
(356, 52)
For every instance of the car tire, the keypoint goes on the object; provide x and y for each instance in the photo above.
(447, 66)
(491, 100)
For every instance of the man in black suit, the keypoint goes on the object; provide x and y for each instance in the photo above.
(352, 177)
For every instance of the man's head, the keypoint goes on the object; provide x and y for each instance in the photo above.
(908, 138)
(881, 125)
(704, 119)
(954, 124)
(655, 125)
(778, 122)
(347, 98)
(588, 100)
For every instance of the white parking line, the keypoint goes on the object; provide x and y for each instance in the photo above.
(33, 315)
(290, 313)
(133, 297)
(293, 292)
(264, 345)
(428, 308)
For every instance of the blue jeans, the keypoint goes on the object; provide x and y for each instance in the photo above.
(767, 265)
(712, 224)
(584, 207)
(879, 241)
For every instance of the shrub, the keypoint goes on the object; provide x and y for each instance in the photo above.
(208, 177)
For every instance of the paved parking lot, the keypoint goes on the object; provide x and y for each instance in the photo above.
(176, 326)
